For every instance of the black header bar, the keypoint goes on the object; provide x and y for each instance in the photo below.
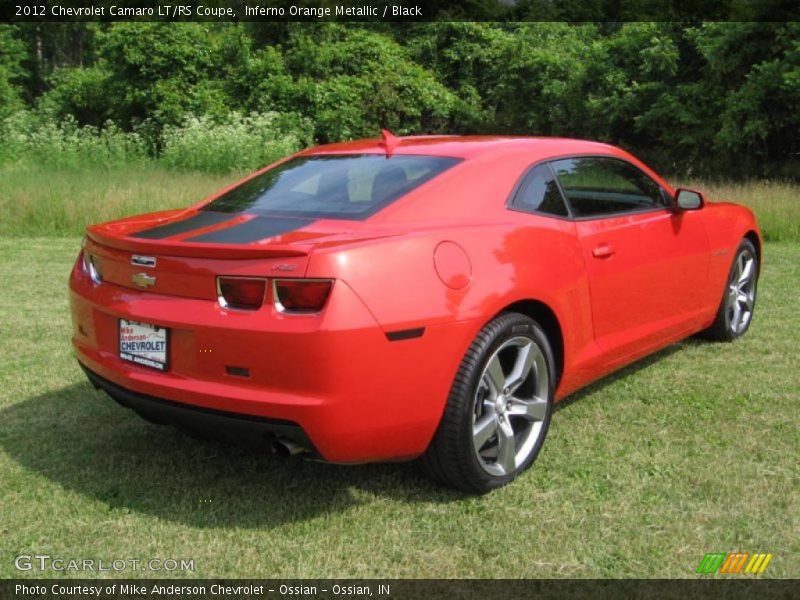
(377, 11)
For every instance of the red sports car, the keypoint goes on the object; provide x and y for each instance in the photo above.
(407, 297)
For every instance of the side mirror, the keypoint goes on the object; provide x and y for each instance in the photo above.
(687, 200)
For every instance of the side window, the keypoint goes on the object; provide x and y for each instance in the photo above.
(538, 192)
(603, 186)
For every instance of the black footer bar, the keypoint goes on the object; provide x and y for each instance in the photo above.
(396, 589)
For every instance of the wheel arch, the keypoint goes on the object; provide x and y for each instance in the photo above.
(756, 241)
(546, 317)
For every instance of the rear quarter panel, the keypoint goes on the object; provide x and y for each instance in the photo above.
(529, 257)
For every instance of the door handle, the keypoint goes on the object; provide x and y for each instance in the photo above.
(603, 251)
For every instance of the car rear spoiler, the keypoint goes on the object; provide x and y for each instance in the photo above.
(199, 249)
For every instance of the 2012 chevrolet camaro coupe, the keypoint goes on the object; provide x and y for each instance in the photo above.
(407, 297)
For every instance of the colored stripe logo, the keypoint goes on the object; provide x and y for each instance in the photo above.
(733, 563)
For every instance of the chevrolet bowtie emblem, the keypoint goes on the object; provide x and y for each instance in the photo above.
(143, 280)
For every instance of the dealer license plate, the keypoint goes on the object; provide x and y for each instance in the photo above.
(143, 344)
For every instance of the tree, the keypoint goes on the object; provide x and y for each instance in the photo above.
(11, 71)
(352, 81)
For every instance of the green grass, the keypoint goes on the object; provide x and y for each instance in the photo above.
(776, 204)
(37, 200)
(691, 451)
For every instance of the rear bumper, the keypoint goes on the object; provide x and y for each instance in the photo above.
(355, 394)
(227, 426)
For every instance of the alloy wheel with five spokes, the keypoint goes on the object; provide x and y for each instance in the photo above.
(510, 405)
(499, 408)
(742, 291)
(735, 313)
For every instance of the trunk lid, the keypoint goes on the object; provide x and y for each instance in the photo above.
(181, 253)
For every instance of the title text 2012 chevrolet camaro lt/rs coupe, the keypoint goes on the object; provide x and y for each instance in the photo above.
(407, 297)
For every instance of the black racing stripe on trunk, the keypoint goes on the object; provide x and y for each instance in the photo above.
(204, 218)
(255, 229)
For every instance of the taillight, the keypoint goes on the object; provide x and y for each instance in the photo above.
(301, 295)
(92, 266)
(245, 293)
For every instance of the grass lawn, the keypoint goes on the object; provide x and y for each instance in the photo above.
(694, 450)
(42, 201)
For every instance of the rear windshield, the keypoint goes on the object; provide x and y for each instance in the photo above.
(337, 187)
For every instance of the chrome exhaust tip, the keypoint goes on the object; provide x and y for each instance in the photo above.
(285, 447)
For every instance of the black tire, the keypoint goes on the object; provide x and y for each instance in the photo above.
(725, 328)
(452, 457)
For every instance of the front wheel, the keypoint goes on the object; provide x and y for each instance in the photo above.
(738, 302)
(499, 407)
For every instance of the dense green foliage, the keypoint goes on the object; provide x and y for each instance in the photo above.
(706, 99)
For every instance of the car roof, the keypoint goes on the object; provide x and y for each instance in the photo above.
(465, 146)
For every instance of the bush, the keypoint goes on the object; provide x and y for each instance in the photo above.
(239, 143)
(720, 98)
(235, 143)
(24, 137)
(80, 93)
(352, 82)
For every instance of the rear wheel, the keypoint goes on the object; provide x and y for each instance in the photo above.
(735, 311)
(499, 407)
